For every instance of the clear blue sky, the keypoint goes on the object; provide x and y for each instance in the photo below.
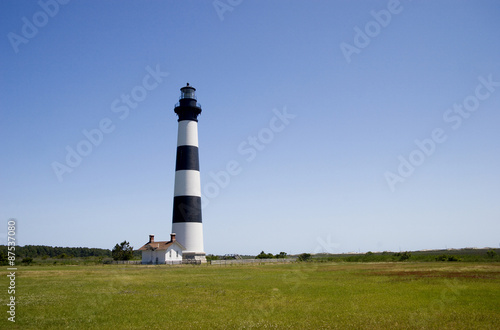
(337, 177)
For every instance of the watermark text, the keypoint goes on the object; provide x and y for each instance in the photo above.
(11, 269)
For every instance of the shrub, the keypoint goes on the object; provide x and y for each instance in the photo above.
(403, 256)
(3, 259)
(445, 257)
(27, 260)
(281, 255)
(442, 257)
(304, 257)
(264, 255)
(122, 251)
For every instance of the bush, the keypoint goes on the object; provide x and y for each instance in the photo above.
(264, 255)
(445, 257)
(442, 257)
(122, 251)
(27, 260)
(281, 255)
(304, 257)
(491, 253)
(403, 256)
(3, 259)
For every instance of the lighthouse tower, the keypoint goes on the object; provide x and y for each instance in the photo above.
(186, 218)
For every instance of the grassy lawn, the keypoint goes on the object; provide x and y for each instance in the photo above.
(437, 295)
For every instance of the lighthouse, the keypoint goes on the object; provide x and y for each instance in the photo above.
(186, 217)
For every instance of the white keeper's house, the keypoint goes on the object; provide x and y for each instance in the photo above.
(162, 252)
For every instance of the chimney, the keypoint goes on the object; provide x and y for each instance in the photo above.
(151, 238)
(172, 237)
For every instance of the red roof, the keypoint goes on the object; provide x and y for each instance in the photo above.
(160, 245)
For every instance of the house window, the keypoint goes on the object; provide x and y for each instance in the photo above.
(177, 253)
(170, 253)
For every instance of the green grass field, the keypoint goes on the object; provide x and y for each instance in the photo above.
(436, 295)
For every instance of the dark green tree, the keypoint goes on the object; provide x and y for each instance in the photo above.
(122, 251)
(281, 255)
(403, 255)
(491, 253)
(3, 259)
(27, 260)
(264, 255)
(445, 257)
(304, 257)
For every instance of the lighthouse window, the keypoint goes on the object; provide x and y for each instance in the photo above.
(188, 94)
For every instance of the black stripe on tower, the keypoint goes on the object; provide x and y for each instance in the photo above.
(187, 158)
(187, 110)
(187, 209)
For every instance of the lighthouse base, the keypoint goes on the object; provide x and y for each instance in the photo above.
(194, 257)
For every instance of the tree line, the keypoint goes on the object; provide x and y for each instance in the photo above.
(38, 251)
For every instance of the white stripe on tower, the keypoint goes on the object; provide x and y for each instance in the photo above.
(192, 235)
(187, 134)
(187, 183)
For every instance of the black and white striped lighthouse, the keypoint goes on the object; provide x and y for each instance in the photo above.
(186, 218)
